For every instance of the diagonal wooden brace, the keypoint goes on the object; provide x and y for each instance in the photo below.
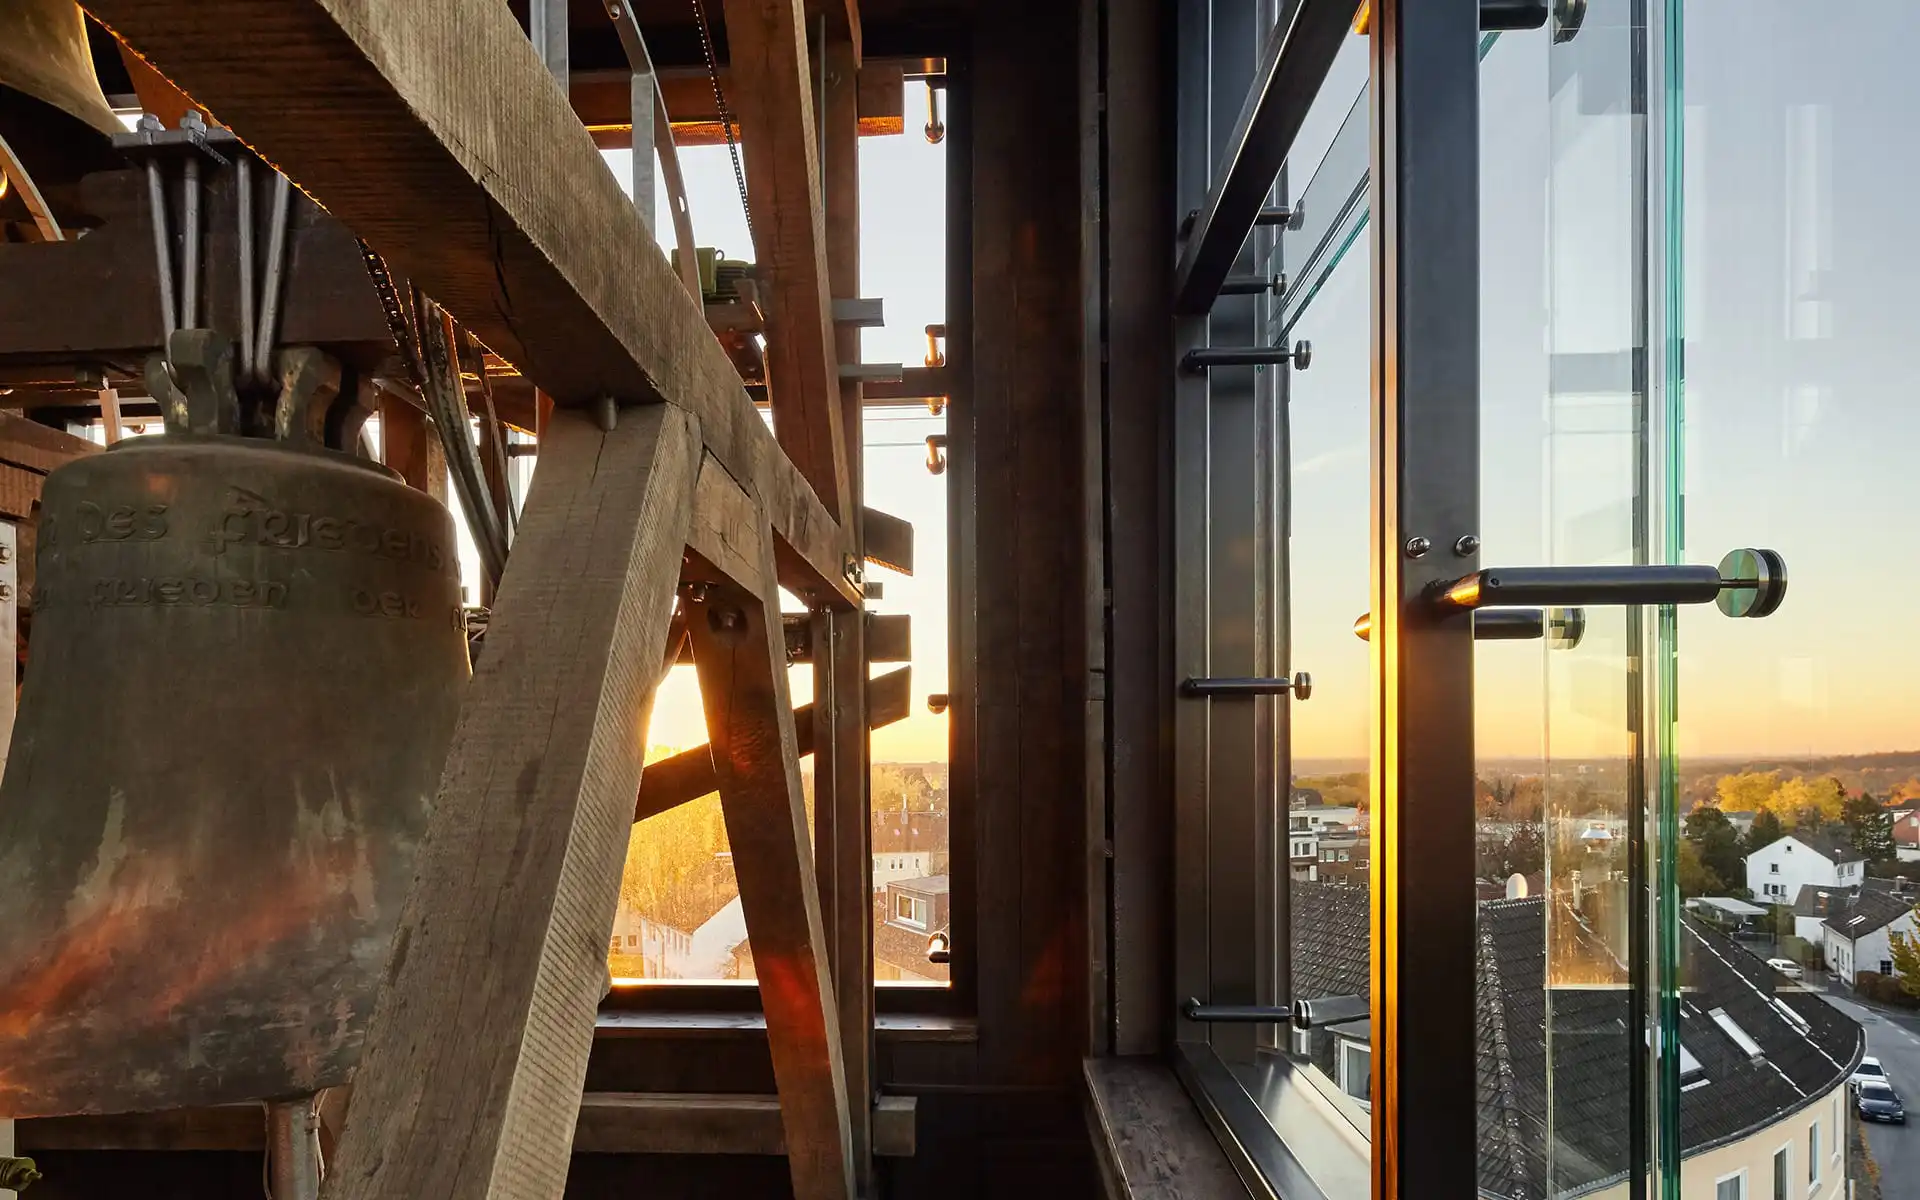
(477, 1051)
(740, 654)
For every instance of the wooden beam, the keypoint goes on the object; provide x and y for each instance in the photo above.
(886, 539)
(767, 48)
(27, 443)
(690, 775)
(681, 1123)
(609, 1123)
(602, 102)
(410, 446)
(889, 638)
(842, 770)
(740, 655)
(441, 139)
(503, 936)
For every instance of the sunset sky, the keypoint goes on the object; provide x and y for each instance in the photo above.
(903, 239)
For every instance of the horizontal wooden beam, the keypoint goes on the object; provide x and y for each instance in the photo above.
(36, 447)
(441, 139)
(609, 1123)
(689, 775)
(667, 1123)
(889, 638)
(889, 540)
(601, 98)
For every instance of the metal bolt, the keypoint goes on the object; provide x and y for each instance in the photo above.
(6, 592)
(1417, 546)
(726, 620)
(1467, 546)
(6, 554)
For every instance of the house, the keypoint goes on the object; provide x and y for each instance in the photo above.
(1776, 872)
(1858, 931)
(1343, 856)
(1764, 1067)
(1906, 835)
(908, 912)
(1742, 821)
(908, 845)
(1303, 848)
(643, 947)
(1810, 909)
(1318, 815)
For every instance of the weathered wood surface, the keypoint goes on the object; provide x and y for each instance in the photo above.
(1150, 1141)
(601, 100)
(739, 652)
(477, 1052)
(412, 447)
(690, 775)
(682, 1123)
(889, 638)
(773, 93)
(886, 539)
(441, 139)
(843, 771)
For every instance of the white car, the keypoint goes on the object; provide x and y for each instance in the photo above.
(1869, 1071)
(1787, 967)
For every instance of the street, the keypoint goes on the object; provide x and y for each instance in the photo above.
(1895, 1041)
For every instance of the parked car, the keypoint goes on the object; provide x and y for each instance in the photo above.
(1787, 967)
(1879, 1102)
(1869, 1071)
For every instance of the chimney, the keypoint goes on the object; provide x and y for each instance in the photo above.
(1821, 909)
(1900, 885)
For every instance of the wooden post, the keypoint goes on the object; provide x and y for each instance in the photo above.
(739, 651)
(110, 414)
(409, 445)
(477, 1051)
(767, 49)
(842, 770)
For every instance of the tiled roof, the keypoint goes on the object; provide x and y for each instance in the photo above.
(1807, 1046)
(1828, 844)
(1860, 913)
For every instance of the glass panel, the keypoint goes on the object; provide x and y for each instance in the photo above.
(1561, 1034)
(1328, 435)
(1799, 429)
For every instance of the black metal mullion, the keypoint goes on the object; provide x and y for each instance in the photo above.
(1295, 58)
(1426, 220)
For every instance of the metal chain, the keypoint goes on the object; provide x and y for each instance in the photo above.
(397, 323)
(726, 114)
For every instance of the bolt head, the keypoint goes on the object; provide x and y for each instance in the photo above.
(726, 620)
(1417, 546)
(1467, 546)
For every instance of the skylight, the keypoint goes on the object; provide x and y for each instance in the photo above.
(1740, 1037)
(1793, 1018)
(1691, 1072)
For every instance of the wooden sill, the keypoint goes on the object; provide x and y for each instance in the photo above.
(1151, 1142)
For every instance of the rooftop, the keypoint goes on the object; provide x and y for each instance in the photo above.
(1860, 912)
(1806, 1047)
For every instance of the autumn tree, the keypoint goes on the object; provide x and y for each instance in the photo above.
(1766, 830)
(1718, 843)
(1748, 791)
(1906, 957)
(1808, 802)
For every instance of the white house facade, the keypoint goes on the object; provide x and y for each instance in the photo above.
(1777, 872)
(1858, 933)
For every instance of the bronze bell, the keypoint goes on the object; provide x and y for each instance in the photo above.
(54, 119)
(245, 670)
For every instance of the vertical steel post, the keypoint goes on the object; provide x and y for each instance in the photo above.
(1426, 262)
